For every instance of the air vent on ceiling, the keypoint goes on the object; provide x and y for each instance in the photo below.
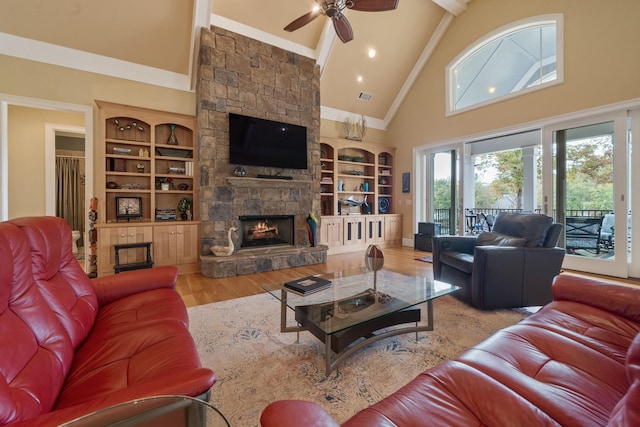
(364, 96)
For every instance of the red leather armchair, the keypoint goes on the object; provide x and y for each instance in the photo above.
(70, 345)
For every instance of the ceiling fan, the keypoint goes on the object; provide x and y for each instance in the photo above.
(333, 9)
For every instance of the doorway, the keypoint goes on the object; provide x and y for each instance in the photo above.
(26, 186)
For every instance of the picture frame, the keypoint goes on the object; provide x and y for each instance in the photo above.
(406, 182)
(128, 208)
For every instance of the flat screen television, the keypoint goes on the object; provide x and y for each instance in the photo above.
(261, 142)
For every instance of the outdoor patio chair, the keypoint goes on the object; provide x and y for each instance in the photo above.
(583, 233)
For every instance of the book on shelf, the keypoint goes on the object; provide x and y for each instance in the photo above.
(307, 285)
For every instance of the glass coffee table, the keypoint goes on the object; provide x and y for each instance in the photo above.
(354, 312)
(155, 411)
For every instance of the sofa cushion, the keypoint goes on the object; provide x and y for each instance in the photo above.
(489, 238)
(65, 286)
(533, 227)
(627, 411)
(458, 260)
(36, 351)
(123, 356)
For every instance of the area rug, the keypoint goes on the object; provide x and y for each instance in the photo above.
(427, 258)
(256, 364)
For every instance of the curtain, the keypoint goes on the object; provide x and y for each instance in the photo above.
(70, 193)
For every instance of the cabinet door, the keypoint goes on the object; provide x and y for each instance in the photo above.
(187, 244)
(353, 230)
(108, 237)
(164, 245)
(331, 231)
(374, 232)
(392, 228)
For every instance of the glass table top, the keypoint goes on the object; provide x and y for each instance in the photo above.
(354, 298)
(155, 411)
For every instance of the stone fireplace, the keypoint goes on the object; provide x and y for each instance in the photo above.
(245, 76)
(266, 231)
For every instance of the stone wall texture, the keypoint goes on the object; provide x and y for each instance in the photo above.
(237, 74)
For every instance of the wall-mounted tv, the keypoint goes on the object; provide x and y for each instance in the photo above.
(261, 142)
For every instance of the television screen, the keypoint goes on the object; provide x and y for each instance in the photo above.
(261, 142)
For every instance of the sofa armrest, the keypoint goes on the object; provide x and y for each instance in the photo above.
(117, 286)
(509, 276)
(464, 244)
(619, 299)
(294, 413)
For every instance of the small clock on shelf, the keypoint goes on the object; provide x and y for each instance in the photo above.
(128, 207)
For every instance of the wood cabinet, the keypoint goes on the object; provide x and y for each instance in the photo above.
(331, 231)
(175, 244)
(393, 229)
(353, 230)
(110, 236)
(374, 229)
(351, 233)
(149, 168)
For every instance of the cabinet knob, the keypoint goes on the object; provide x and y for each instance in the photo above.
(122, 235)
(173, 232)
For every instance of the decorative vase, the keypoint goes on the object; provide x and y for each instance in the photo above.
(184, 215)
(374, 260)
(312, 225)
(164, 186)
(173, 140)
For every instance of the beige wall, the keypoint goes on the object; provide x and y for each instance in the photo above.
(42, 81)
(26, 152)
(601, 67)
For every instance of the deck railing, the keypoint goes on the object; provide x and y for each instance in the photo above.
(443, 216)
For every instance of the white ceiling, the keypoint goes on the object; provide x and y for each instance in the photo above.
(154, 41)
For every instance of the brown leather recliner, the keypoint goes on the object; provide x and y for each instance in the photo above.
(512, 266)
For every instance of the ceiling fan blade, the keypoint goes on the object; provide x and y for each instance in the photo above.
(303, 20)
(373, 5)
(343, 28)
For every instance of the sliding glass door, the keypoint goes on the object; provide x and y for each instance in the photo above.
(586, 167)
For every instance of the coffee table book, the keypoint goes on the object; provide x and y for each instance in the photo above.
(307, 285)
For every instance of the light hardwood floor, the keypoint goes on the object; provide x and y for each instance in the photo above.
(196, 289)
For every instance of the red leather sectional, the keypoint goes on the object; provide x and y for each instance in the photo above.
(70, 345)
(576, 362)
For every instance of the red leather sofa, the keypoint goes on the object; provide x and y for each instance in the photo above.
(70, 345)
(576, 362)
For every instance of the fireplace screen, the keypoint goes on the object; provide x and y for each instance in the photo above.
(260, 231)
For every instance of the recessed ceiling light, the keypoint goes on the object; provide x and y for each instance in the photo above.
(372, 53)
(492, 89)
(359, 78)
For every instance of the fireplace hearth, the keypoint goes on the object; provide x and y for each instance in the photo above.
(266, 230)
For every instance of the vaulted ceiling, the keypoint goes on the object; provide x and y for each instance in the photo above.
(155, 41)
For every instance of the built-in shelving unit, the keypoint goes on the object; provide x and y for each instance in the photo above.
(353, 172)
(150, 165)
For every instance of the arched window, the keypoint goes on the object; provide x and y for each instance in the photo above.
(516, 59)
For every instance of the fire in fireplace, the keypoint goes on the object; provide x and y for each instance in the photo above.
(270, 230)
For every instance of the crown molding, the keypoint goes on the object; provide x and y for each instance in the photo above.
(48, 53)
